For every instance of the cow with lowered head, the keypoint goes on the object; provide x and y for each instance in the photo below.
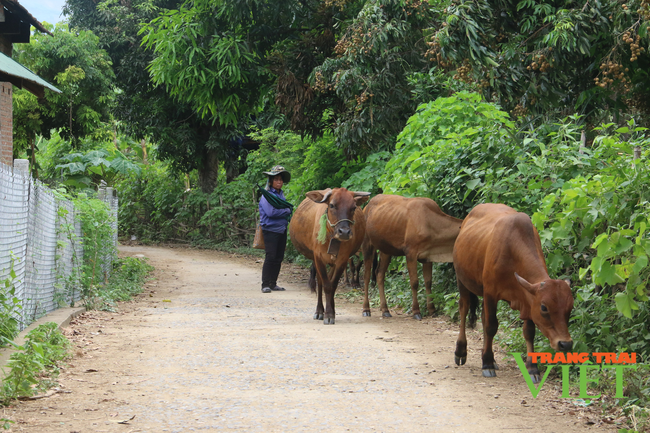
(498, 255)
(336, 216)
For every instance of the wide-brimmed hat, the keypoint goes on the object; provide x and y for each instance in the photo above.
(278, 169)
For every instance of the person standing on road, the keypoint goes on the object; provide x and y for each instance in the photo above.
(274, 219)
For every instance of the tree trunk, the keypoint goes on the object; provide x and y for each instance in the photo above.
(143, 145)
(209, 172)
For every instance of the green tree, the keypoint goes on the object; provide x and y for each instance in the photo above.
(183, 138)
(81, 69)
(214, 54)
(372, 76)
(539, 58)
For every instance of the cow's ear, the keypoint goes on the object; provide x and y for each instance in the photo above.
(525, 284)
(320, 196)
(361, 197)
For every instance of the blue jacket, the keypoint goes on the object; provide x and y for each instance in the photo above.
(272, 219)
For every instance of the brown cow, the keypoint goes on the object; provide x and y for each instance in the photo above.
(498, 255)
(411, 227)
(346, 226)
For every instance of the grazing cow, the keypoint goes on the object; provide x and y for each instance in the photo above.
(335, 211)
(498, 255)
(411, 227)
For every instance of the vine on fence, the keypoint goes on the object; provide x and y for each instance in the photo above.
(89, 272)
(67, 285)
(10, 306)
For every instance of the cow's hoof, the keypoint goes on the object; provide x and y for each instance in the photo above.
(417, 316)
(460, 360)
(489, 372)
(366, 314)
(318, 316)
(534, 377)
(328, 321)
(386, 314)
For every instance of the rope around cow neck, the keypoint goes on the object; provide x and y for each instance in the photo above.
(322, 231)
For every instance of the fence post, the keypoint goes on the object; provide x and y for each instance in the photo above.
(21, 165)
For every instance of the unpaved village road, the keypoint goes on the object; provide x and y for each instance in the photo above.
(202, 349)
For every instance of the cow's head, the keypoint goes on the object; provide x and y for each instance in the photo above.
(341, 206)
(550, 310)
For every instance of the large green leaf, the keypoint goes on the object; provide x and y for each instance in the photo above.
(124, 166)
(625, 304)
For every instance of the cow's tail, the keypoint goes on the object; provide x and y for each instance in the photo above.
(473, 306)
(312, 278)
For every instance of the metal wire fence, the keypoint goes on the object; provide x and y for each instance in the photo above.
(41, 240)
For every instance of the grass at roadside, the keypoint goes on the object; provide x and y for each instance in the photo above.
(128, 276)
(34, 366)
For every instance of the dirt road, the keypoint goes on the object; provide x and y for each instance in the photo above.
(202, 349)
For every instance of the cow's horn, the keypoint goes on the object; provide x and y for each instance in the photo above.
(319, 196)
(360, 197)
(525, 284)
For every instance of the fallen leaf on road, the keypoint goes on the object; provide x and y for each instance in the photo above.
(126, 421)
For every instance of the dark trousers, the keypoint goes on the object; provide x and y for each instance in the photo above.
(274, 245)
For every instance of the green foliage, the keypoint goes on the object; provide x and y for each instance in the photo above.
(550, 157)
(35, 364)
(10, 306)
(275, 148)
(218, 72)
(98, 244)
(593, 228)
(230, 215)
(448, 149)
(82, 71)
(324, 165)
(50, 153)
(127, 278)
(543, 59)
(149, 202)
(26, 122)
(85, 170)
(367, 177)
(156, 206)
(379, 61)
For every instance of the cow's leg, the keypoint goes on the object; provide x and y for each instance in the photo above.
(312, 278)
(357, 273)
(460, 356)
(348, 272)
(384, 261)
(427, 272)
(330, 290)
(490, 327)
(529, 336)
(368, 256)
(318, 315)
(354, 272)
(412, 266)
